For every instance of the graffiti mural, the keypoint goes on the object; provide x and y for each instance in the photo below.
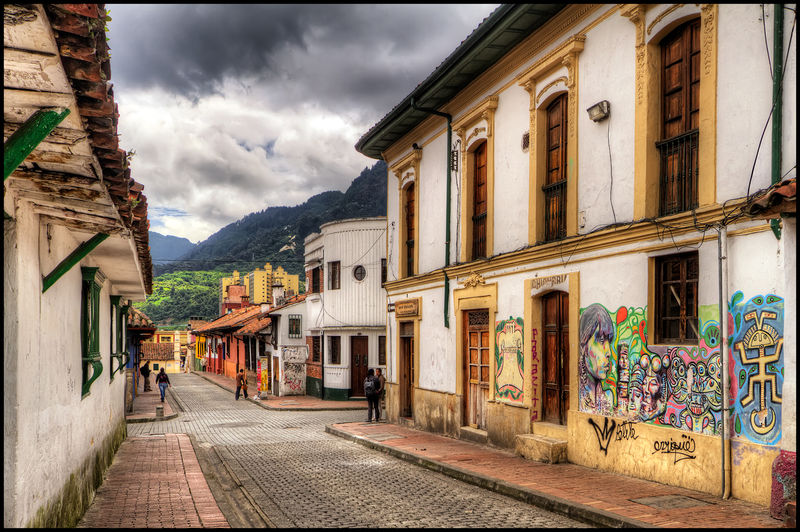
(509, 360)
(756, 344)
(620, 375)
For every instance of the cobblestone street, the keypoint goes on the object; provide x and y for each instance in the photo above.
(299, 476)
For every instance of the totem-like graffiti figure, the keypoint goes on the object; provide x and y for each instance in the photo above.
(758, 328)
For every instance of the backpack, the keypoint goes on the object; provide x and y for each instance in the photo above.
(369, 386)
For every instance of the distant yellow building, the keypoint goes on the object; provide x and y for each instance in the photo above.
(259, 283)
(169, 350)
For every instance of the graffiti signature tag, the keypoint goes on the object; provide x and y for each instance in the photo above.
(683, 449)
(604, 434)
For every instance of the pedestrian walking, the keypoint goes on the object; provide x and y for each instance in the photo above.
(241, 384)
(145, 371)
(381, 392)
(163, 381)
(371, 384)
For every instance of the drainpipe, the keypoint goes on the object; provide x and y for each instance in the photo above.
(722, 252)
(777, 101)
(447, 211)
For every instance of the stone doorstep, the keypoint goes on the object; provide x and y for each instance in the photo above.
(474, 435)
(542, 428)
(541, 448)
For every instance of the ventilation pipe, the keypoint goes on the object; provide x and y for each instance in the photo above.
(722, 253)
(447, 211)
(777, 102)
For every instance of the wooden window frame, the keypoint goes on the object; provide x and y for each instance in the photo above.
(92, 284)
(555, 187)
(406, 170)
(473, 128)
(555, 73)
(295, 326)
(647, 118)
(335, 349)
(316, 348)
(677, 290)
(678, 144)
(334, 275)
(382, 350)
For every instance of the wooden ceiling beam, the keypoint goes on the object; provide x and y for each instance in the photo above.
(94, 208)
(82, 225)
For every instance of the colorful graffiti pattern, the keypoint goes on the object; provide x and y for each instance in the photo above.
(620, 375)
(509, 360)
(756, 343)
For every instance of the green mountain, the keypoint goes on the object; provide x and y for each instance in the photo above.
(190, 286)
(276, 234)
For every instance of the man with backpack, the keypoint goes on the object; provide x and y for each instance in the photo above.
(371, 386)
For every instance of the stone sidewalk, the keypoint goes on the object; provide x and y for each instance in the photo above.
(154, 482)
(598, 497)
(287, 402)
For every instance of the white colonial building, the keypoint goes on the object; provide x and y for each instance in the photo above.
(75, 255)
(572, 263)
(345, 267)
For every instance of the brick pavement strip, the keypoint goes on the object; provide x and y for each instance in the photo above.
(565, 488)
(154, 482)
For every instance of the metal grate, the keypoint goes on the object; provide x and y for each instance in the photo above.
(679, 169)
(555, 210)
(479, 318)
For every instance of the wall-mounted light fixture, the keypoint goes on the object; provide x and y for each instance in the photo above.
(599, 111)
(416, 146)
(454, 154)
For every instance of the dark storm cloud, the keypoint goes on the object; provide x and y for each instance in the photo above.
(351, 54)
(235, 108)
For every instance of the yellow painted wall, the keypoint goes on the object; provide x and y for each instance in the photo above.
(669, 456)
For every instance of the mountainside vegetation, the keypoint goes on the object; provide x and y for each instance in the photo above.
(189, 286)
(177, 296)
(276, 234)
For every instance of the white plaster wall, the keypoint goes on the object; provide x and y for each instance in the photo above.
(606, 71)
(437, 356)
(393, 229)
(744, 98)
(353, 243)
(511, 170)
(755, 265)
(56, 430)
(432, 203)
(789, 408)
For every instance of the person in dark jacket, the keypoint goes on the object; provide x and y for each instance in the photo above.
(145, 371)
(371, 385)
(163, 382)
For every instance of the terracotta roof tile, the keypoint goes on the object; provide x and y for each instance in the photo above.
(154, 351)
(254, 325)
(780, 198)
(232, 320)
(80, 35)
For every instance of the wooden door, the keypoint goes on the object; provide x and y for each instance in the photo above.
(476, 367)
(358, 364)
(556, 357)
(406, 387)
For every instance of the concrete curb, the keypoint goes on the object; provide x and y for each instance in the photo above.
(545, 501)
(288, 409)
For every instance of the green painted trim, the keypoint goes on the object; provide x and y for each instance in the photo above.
(74, 258)
(314, 386)
(336, 394)
(777, 101)
(29, 135)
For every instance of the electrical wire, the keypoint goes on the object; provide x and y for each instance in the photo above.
(610, 169)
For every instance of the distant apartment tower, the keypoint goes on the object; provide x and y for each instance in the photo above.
(224, 283)
(259, 283)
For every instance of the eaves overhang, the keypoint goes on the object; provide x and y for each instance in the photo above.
(500, 32)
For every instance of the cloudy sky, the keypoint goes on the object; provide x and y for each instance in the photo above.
(234, 108)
